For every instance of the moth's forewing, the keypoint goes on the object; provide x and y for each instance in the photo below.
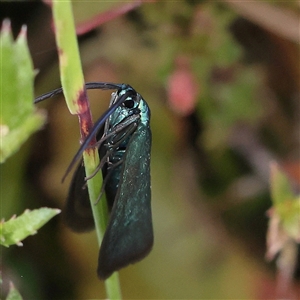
(77, 213)
(129, 234)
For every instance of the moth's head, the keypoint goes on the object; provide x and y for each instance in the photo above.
(133, 103)
(137, 105)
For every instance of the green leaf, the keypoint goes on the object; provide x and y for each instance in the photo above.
(285, 202)
(13, 293)
(18, 116)
(16, 229)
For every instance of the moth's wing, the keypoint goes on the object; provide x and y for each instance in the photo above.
(77, 213)
(129, 234)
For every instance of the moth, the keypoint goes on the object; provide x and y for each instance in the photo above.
(124, 143)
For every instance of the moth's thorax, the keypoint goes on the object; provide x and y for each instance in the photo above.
(144, 111)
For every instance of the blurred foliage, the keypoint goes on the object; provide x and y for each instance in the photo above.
(210, 167)
(13, 294)
(286, 204)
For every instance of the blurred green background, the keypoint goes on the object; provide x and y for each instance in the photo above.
(222, 82)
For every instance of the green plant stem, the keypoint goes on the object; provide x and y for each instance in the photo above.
(100, 212)
(73, 87)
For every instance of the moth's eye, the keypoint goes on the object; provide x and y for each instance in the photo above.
(129, 103)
